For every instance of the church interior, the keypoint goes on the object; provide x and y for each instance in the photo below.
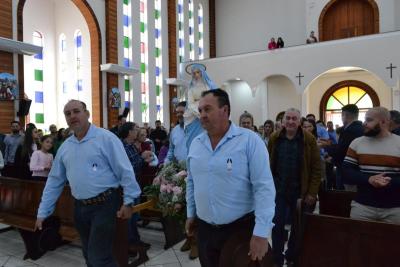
(133, 60)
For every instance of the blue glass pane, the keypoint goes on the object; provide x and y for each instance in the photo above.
(200, 20)
(126, 62)
(180, 43)
(39, 56)
(64, 87)
(38, 97)
(190, 30)
(127, 104)
(158, 108)
(79, 41)
(157, 33)
(79, 85)
(126, 20)
(180, 9)
(200, 51)
(157, 71)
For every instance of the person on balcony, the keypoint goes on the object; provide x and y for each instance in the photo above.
(272, 44)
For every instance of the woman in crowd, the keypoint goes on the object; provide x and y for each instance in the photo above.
(310, 126)
(42, 159)
(24, 153)
(280, 43)
(268, 130)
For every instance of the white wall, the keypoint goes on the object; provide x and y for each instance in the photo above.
(53, 18)
(242, 99)
(281, 95)
(242, 27)
(318, 88)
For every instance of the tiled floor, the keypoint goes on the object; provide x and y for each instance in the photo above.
(12, 251)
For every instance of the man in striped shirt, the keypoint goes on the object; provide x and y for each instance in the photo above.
(373, 164)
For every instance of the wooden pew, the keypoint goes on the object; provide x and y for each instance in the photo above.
(333, 241)
(19, 201)
(335, 202)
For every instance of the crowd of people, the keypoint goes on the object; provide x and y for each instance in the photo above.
(242, 178)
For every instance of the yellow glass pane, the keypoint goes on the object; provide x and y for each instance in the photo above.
(355, 94)
(342, 95)
(365, 102)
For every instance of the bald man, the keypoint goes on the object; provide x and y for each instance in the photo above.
(373, 164)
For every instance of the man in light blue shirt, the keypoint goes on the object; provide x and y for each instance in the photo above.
(95, 164)
(177, 146)
(230, 186)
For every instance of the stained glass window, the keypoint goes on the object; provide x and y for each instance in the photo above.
(201, 32)
(191, 30)
(37, 93)
(78, 63)
(181, 35)
(63, 98)
(127, 61)
(144, 61)
(158, 56)
(343, 96)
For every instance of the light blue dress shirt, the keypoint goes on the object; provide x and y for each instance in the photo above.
(91, 166)
(232, 180)
(177, 146)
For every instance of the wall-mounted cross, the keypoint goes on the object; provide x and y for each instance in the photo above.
(300, 76)
(391, 67)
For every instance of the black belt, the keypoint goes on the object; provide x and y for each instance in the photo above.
(99, 199)
(244, 219)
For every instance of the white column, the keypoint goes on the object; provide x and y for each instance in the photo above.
(186, 29)
(196, 29)
(165, 58)
(135, 79)
(396, 96)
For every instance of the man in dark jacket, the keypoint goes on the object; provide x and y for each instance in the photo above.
(352, 129)
(395, 122)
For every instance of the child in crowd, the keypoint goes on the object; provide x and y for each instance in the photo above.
(42, 159)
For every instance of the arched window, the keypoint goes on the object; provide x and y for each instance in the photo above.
(181, 34)
(78, 62)
(158, 55)
(127, 44)
(63, 63)
(201, 31)
(191, 30)
(38, 105)
(347, 92)
(144, 61)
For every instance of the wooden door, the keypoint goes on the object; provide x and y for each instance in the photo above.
(348, 18)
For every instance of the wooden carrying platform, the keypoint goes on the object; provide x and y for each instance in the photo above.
(19, 201)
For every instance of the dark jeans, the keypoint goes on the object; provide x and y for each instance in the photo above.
(283, 206)
(96, 227)
(10, 171)
(133, 233)
(211, 239)
(330, 177)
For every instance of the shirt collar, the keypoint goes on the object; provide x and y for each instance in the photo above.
(91, 133)
(233, 131)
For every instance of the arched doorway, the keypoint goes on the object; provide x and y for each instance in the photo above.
(348, 18)
(343, 93)
(95, 50)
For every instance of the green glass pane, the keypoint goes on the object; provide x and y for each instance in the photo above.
(143, 67)
(39, 118)
(126, 42)
(143, 107)
(180, 25)
(356, 94)
(142, 27)
(342, 95)
(190, 14)
(127, 85)
(126, 2)
(200, 35)
(157, 14)
(180, 59)
(158, 90)
(157, 52)
(365, 102)
(333, 104)
(39, 75)
(190, 47)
